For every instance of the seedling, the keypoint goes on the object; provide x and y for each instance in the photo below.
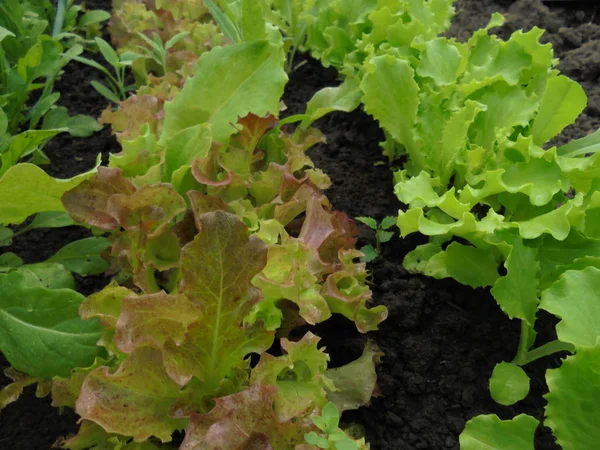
(382, 235)
(158, 51)
(332, 436)
(116, 89)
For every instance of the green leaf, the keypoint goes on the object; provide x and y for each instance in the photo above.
(78, 126)
(83, 126)
(368, 221)
(314, 439)
(428, 259)
(105, 92)
(471, 266)
(25, 189)
(388, 222)
(441, 61)
(3, 124)
(11, 392)
(391, 97)
(6, 235)
(574, 400)
(108, 52)
(228, 28)
(186, 146)
(370, 254)
(175, 39)
(575, 298)
(92, 17)
(9, 260)
(331, 417)
(356, 381)
(220, 96)
(84, 256)
(24, 144)
(52, 275)
(385, 236)
(345, 443)
(252, 22)
(40, 330)
(345, 97)
(582, 146)
(506, 108)
(516, 292)
(490, 433)
(4, 33)
(509, 383)
(563, 101)
(51, 219)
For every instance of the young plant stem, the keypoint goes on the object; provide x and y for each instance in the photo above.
(521, 356)
(59, 18)
(525, 356)
(547, 349)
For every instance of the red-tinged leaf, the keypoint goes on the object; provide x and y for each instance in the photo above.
(65, 391)
(208, 171)
(88, 436)
(11, 392)
(299, 376)
(297, 146)
(152, 320)
(136, 255)
(105, 305)
(202, 203)
(217, 267)
(88, 202)
(242, 421)
(347, 294)
(132, 114)
(295, 272)
(356, 382)
(151, 208)
(326, 231)
(162, 252)
(134, 401)
(253, 128)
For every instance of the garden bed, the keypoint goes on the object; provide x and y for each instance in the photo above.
(441, 339)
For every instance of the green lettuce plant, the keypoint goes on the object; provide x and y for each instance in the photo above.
(468, 126)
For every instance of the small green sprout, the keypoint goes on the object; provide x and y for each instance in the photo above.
(382, 235)
(157, 51)
(331, 437)
(116, 89)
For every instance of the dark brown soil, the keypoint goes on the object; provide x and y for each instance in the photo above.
(441, 339)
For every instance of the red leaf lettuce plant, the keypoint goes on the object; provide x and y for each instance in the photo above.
(220, 240)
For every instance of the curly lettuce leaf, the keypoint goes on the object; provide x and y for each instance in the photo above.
(356, 382)
(575, 298)
(490, 433)
(574, 398)
(299, 376)
(133, 401)
(245, 420)
(13, 390)
(219, 96)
